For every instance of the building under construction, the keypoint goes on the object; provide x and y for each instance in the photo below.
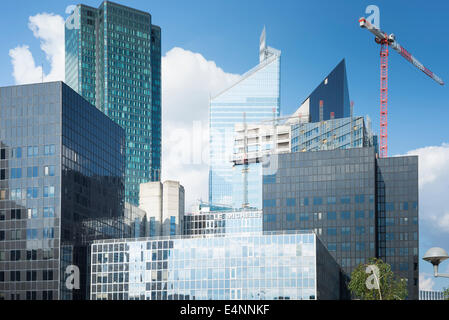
(324, 121)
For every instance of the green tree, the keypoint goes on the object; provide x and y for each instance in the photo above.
(446, 293)
(368, 284)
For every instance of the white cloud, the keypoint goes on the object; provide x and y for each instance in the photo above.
(49, 29)
(426, 281)
(434, 185)
(188, 81)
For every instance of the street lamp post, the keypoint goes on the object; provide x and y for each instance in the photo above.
(435, 256)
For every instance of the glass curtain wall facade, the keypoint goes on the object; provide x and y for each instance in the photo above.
(331, 98)
(256, 97)
(240, 266)
(113, 59)
(359, 206)
(397, 215)
(344, 133)
(61, 186)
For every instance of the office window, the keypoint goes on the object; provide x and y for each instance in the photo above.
(32, 172)
(269, 217)
(47, 254)
(15, 214)
(269, 179)
(2, 235)
(49, 191)
(31, 275)
(47, 275)
(317, 201)
(345, 200)
(291, 202)
(360, 214)
(15, 255)
(345, 231)
(2, 154)
(360, 198)
(172, 225)
(389, 206)
(291, 217)
(33, 151)
(49, 212)
(345, 215)
(17, 153)
(16, 234)
(331, 215)
(332, 231)
(16, 173)
(269, 203)
(403, 251)
(32, 234)
(49, 150)
(332, 246)
(2, 276)
(32, 213)
(49, 171)
(31, 255)
(14, 275)
(303, 216)
(331, 200)
(32, 193)
(49, 233)
(389, 236)
(360, 230)
(2, 174)
(345, 246)
(360, 246)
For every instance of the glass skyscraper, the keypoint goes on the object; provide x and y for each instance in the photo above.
(62, 168)
(359, 206)
(113, 59)
(255, 97)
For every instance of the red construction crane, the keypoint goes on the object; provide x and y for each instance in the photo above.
(386, 41)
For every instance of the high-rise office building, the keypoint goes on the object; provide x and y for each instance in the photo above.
(164, 204)
(330, 100)
(62, 168)
(254, 97)
(113, 59)
(253, 266)
(359, 206)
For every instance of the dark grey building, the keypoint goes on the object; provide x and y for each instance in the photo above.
(61, 186)
(358, 205)
(331, 98)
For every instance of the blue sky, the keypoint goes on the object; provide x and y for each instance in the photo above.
(313, 37)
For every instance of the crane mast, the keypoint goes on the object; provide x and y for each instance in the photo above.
(385, 42)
